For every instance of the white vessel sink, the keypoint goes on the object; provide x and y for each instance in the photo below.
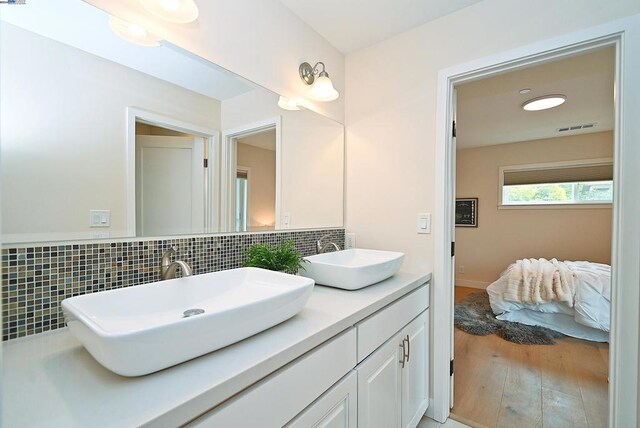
(352, 269)
(139, 330)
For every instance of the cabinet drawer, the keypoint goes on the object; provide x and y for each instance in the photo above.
(379, 327)
(279, 397)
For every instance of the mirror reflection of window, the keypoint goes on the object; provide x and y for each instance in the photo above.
(242, 200)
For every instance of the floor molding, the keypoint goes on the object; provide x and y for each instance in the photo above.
(471, 283)
(466, 421)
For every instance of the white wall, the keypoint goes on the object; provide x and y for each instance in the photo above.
(391, 108)
(64, 133)
(391, 127)
(262, 41)
(312, 158)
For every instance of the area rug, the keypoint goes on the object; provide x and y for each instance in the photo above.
(473, 315)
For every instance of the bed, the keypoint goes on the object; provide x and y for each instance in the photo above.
(571, 297)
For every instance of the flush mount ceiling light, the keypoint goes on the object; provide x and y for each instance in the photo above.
(287, 103)
(322, 89)
(133, 33)
(544, 103)
(524, 91)
(178, 11)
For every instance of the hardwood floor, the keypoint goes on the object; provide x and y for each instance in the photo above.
(503, 384)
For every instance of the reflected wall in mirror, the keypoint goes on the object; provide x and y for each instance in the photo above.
(108, 139)
(255, 185)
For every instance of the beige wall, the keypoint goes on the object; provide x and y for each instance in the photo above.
(505, 235)
(262, 185)
(63, 98)
(391, 108)
(146, 129)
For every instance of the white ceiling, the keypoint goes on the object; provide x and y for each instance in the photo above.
(350, 25)
(489, 111)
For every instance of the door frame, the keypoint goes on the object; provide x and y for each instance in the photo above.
(229, 160)
(212, 143)
(624, 34)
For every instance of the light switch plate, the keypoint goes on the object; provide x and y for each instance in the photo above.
(424, 222)
(287, 220)
(99, 218)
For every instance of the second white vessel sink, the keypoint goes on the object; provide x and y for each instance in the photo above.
(138, 330)
(352, 269)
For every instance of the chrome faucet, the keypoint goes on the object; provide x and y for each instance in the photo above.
(168, 268)
(320, 248)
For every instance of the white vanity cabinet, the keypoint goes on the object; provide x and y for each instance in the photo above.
(336, 408)
(393, 382)
(374, 374)
(415, 373)
(379, 384)
(277, 399)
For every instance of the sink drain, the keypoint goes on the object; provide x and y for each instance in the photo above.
(191, 312)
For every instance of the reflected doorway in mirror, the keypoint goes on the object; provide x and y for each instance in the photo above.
(171, 188)
(251, 186)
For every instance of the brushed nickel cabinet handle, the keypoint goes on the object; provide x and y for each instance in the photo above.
(408, 348)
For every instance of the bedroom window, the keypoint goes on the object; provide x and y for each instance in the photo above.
(558, 183)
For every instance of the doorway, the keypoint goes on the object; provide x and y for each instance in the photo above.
(535, 185)
(624, 342)
(172, 176)
(252, 156)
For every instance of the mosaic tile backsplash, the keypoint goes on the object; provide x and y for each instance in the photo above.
(35, 280)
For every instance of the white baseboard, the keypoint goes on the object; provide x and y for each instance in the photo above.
(472, 283)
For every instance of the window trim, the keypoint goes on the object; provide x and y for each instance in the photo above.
(551, 165)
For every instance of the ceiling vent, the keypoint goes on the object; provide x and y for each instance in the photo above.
(577, 127)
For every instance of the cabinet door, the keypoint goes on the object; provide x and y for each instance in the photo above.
(379, 387)
(336, 408)
(415, 374)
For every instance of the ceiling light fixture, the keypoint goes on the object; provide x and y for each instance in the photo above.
(322, 89)
(133, 33)
(287, 103)
(544, 103)
(524, 91)
(178, 11)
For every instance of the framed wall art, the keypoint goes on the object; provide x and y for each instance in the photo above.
(466, 212)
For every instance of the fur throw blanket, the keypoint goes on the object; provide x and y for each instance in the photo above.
(536, 281)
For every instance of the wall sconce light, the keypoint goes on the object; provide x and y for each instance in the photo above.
(133, 33)
(287, 103)
(178, 11)
(322, 89)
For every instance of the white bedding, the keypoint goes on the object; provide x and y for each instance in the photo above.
(591, 308)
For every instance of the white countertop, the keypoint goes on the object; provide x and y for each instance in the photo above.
(50, 380)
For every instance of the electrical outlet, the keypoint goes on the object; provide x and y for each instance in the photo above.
(460, 269)
(349, 240)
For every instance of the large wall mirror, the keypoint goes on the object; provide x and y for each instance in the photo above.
(102, 138)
